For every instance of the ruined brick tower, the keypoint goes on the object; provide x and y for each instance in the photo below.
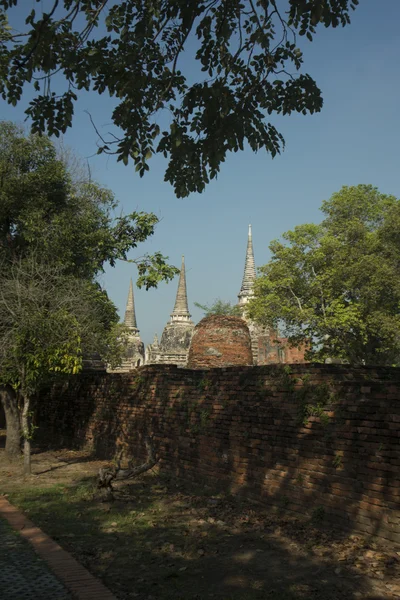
(220, 341)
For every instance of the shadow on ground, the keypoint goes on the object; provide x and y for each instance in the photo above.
(65, 462)
(165, 539)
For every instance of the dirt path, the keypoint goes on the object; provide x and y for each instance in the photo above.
(164, 539)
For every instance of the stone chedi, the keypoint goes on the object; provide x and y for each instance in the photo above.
(220, 341)
(177, 335)
(134, 353)
(267, 347)
(246, 292)
(216, 343)
(249, 275)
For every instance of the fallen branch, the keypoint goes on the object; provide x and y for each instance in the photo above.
(107, 475)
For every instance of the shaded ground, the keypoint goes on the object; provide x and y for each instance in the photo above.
(165, 539)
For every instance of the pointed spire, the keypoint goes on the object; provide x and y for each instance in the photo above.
(249, 274)
(130, 315)
(181, 308)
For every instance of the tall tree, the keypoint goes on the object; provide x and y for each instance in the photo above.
(47, 320)
(66, 224)
(242, 64)
(336, 285)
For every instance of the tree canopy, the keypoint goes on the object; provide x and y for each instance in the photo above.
(48, 319)
(219, 307)
(57, 233)
(192, 80)
(336, 285)
(73, 223)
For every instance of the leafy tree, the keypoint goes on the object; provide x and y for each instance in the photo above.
(243, 64)
(71, 222)
(47, 320)
(219, 307)
(66, 224)
(337, 284)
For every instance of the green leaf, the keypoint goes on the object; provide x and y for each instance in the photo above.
(327, 283)
(143, 70)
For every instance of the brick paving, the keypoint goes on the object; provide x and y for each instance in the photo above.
(23, 574)
(48, 572)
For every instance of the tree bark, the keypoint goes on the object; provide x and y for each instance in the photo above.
(9, 402)
(26, 430)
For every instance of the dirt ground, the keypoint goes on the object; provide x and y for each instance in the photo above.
(164, 539)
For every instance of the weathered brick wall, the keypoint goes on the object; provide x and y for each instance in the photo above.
(294, 355)
(317, 439)
(270, 352)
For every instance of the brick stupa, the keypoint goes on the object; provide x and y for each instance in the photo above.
(220, 341)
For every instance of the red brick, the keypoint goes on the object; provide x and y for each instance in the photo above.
(250, 437)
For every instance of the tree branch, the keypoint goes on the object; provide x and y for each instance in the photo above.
(107, 475)
(296, 297)
(321, 292)
(35, 45)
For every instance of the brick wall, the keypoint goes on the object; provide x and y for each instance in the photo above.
(317, 439)
(293, 354)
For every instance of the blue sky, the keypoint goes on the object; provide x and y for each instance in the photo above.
(355, 139)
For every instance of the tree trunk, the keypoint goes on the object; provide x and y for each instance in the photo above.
(26, 430)
(9, 401)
